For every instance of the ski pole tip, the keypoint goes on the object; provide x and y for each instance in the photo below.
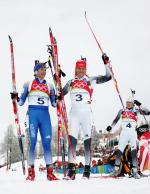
(132, 91)
(50, 30)
(9, 38)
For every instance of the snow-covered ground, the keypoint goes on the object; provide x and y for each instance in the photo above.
(14, 182)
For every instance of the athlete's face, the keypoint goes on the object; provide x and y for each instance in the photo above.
(129, 105)
(41, 73)
(80, 72)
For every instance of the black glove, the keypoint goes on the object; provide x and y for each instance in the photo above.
(109, 128)
(14, 95)
(62, 73)
(105, 58)
(137, 103)
(59, 96)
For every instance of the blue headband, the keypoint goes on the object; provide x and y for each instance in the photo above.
(38, 66)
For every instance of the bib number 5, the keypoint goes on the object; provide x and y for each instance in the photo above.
(40, 101)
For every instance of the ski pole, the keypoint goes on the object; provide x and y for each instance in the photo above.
(110, 66)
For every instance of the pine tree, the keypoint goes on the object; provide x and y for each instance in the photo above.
(10, 147)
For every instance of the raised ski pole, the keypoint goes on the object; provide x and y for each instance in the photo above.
(110, 66)
(15, 107)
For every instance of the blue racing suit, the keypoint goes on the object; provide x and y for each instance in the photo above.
(38, 93)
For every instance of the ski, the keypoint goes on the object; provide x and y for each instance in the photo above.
(106, 177)
(61, 108)
(117, 177)
(15, 107)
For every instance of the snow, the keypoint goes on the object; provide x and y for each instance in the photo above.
(14, 182)
(2, 159)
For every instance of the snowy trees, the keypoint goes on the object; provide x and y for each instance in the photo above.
(10, 147)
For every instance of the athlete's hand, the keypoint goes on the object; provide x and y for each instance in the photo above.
(109, 128)
(59, 95)
(105, 58)
(137, 103)
(14, 96)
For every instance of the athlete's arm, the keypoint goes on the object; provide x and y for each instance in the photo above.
(66, 88)
(24, 94)
(117, 118)
(143, 111)
(102, 78)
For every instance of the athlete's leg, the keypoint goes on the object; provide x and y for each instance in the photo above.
(74, 126)
(85, 118)
(133, 142)
(33, 130)
(46, 135)
(123, 141)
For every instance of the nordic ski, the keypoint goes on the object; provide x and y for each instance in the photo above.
(15, 107)
(61, 108)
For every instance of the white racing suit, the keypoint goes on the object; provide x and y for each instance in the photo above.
(80, 116)
(128, 133)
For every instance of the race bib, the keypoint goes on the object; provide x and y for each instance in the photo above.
(79, 96)
(129, 125)
(37, 100)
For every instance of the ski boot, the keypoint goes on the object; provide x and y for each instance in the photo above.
(50, 175)
(116, 172)
(31, 174)
(86, 173)
(135, 173)
(142, 175)
(71, 172)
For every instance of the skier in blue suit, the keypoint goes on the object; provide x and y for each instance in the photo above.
(39, 92)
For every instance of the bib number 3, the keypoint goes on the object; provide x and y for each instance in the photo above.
(79, 97)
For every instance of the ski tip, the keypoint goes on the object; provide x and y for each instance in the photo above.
(85, 13)
(10, 39)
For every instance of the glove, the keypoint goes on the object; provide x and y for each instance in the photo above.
(62, 73)
(109, 128)
(14, 95)
(105, 58)
(59, 96)
(137, 103)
